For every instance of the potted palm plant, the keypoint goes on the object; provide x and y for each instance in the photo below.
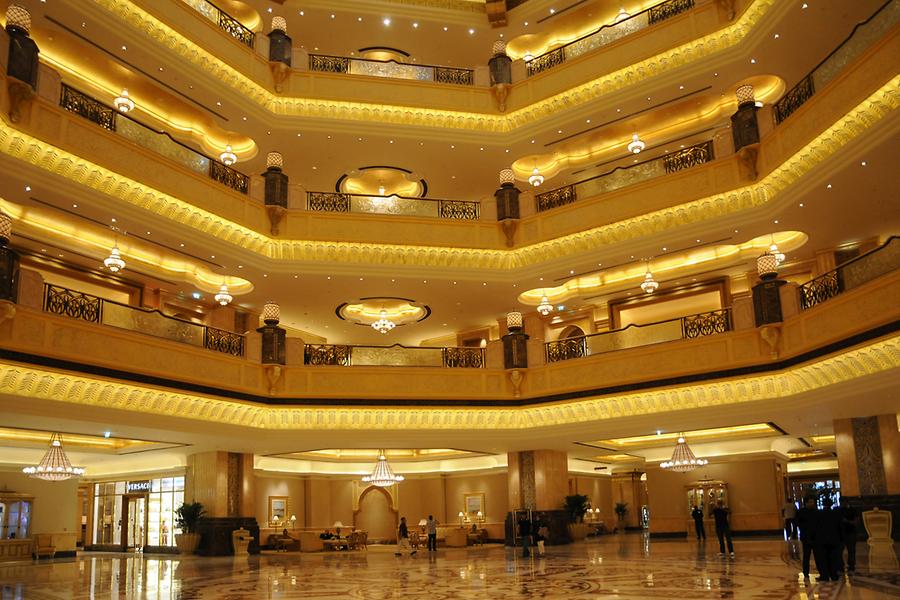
(576, 506)
(186, 518)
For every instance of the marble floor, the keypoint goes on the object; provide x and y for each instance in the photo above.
(627, 566)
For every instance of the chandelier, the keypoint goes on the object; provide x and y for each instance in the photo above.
(223, 297)
(114, 261)
(55, 465)
(536, 178)
(636, 144)
(383, 324)
(545, 308)
(683, 458)
(649, 285)
(228, 157)
(774, 251)
(622, 15)
(382, 475)
(123, 103)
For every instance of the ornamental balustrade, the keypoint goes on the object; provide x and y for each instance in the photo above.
(157, 141)
(689, 327)
(686, 158)
(607, 34)
(85, 307)
(224, 21)
(325, 63)
(459, 210)
(863, 36)
(393, 356)
(851, 274)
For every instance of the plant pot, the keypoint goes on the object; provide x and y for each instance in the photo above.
(187, 542)
(578, 531)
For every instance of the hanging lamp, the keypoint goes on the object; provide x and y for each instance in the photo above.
(228, 157)
(123, 103)
(223, 297)
(382, 475)
(545, 308)
(55, 465)
(114, 261)
(536, 178)
(649, 285)
(383, 324)
(683, 459)
(636, 144)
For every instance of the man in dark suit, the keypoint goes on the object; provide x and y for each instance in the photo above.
(808, 524)
(849, 520)
(723, 528)
(697, 515)
(830, 542)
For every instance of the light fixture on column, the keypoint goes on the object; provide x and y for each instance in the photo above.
(507, 177)
(536, 178)
(382, 475)
(123, 103)
(383, 324)
(623, 14)
(545, 308)
(767, 266)
(279, 24)
(514, 320)
(228, 157)
(114, 261)
(271, 313)
(683, 458)
(223, 297)
(55, 465)
(649, 285)
(5, 228)
(636, 144)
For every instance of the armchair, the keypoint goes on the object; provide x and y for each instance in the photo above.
(43, 545)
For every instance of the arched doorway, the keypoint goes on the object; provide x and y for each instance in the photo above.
(376, 515)
(572, 331)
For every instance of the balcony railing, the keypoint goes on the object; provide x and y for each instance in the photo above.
(682, 328)
(226, 22)
(460, 210)
(607, 34)
(860, 39)
(85, 307)
(158, 141)
(620, 177)
(851, 274)
(393, 356)
(389, 68)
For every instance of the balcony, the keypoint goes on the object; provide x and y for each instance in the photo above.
(224, 21)
(390, 69)
(337, 202)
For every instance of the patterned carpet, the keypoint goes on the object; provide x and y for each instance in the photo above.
(613, 567)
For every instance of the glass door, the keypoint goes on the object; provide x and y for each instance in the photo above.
(136, 517)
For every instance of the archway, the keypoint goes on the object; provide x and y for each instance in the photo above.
(572, 331)
(376, 515)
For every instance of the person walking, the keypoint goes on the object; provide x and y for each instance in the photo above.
(849, 521)
(431, 528)
(540, 535)
(829, 543)
(723, 528)
(403, 539)
(808, 524)
(525, 534)
(789, 513)
(697, 515)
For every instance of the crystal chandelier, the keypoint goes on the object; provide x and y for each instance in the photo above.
(545, 308)
(114, 261)
(223, 297)
(382, 475)
(683, 458)
(636, 144)
(228, 157)
(623, 14)
(649, 285)
(536, 178)
(123, 103)
(383, 324)
(774, 251)
(55, 465)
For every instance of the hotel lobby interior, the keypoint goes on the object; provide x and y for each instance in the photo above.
(275, 274)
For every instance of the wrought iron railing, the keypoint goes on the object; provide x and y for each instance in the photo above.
(326, 63)
(459, 210)
(393, 356)
(682, 328)
(607, 34)
(861, 38)
(226, 22)
(85, 307)
(620, 177)
(851, 274)
(147, 137)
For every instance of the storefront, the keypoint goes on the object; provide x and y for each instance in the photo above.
(136, 514)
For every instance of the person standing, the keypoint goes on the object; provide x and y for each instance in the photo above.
(849, 520)
(540, 535)
(431, 529)
(723, 528)
(789, 512)
(697, 515)
(403, 539)
(829, 542)
(525, 534)
(808, 524)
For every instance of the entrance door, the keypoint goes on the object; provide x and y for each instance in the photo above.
(134, 519)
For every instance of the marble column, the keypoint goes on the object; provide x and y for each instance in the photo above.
(868, 450)
(628, 488)
(538, 480)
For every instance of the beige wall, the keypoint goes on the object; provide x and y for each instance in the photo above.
(55, 508)
(754, 493)
(598, 489)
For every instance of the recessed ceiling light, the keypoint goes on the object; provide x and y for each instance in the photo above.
(329, 277)
(332, 16)
(296, 276)
(828, 186)
(664, 249)
(160, 69)
(526, 23)
(360, 278)
(445, 29)
(471, 32)
(218, 103)
(532, 141)
(302, 13)
(559, 131)
(415, 25)
(76, 206)
(359, 19)
(481, 148)
(801, 205)
(804, 6)
(240, 266)
(265, 274)
(552, 11)
(270, 9)
(680, 87)
(386, 21)
(776, 221)
(863, 163)
(541, 279)
(124, 47)
(244, 119)
(618, 110)
(315, 168)
(777, 36)
(752, 61)
(452, 146)
(715, 74)
(182, 244)
(389, 141)
(28, 187)
(113, 219)
(587, 120)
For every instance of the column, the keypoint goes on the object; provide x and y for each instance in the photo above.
(868, 450)
(538, 480)
(629, 489)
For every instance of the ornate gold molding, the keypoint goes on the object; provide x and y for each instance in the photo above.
(867, 115)
(24, 381)
(694, 51)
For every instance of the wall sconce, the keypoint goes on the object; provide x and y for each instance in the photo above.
(293, 521)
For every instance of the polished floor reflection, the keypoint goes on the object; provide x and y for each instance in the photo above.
(613, 567)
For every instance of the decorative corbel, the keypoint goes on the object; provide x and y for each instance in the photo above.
(20, 94)
(509, 230)
(748, 156)
(516, 377)
(7, 310)
(276, 213)
(727, 7)
(273, 374)
(500, 91)
(280, 73)
(771, 334)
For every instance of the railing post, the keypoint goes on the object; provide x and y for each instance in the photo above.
(280, 52)
(22, 60)
(276, 190)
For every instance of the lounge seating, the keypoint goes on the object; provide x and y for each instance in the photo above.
(43, 545)
(311, 542)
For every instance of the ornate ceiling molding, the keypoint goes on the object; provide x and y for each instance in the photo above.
(691, 52)
(35, 383)
(862, 118)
